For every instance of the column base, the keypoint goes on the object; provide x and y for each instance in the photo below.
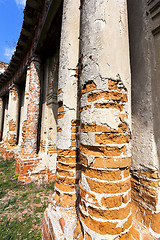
(7, 152)
(58, 223)
(146, 200)
(29, 168)
(146, 222)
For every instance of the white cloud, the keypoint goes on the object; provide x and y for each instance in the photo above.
(20, 3)
(8, 52)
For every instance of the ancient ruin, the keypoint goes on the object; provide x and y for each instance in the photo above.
(79, 105)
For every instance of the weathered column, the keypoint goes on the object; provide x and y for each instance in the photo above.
(145, 62)
(65, 186)
(27, 158)
(21, 117)
(49, 106)
(32, 107)
(48, 150)
(44, 121)
(13, 110)
(1, 117)
(67, 107)
(64, 201)
(104, 207)
(24, 111)
(4, 135)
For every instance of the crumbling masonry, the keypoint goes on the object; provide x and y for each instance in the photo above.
(79, 105)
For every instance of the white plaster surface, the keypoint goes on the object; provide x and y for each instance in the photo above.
(69, 55)
(145, 92)
(106, 54)
(47, 162)
(5, 119)
(110, 50)
(105, 116)
(21, 118)
(13, 109)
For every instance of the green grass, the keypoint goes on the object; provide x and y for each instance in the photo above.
(21, 206)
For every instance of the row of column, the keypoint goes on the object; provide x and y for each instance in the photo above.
(9, 108)
(93, 179)
(29, 115)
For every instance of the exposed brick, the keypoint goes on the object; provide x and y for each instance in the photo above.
(113, 85)
(121, 213)
(152, 175)
(134, 233)
(61, 115)
(149, 183)
(122, 128)
(90, 86)
(62, 223)
(109, 105)
(106, 187)
(108, 96)
(103, 151)
(111, 202)
(100, 227)
(147, 218)
(111, 139)
(91, 198)
(104, 175)
(111, 162)
(87, 236)
(127, 224)
(59, 91)
(65, 188)
(77, 230)
(155, 223)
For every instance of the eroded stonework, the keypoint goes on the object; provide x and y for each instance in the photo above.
(79, 105)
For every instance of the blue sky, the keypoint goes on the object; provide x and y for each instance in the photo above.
(11, 18)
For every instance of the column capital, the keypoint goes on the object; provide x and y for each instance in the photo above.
(13, 87)
(28, 65)
(35, 58)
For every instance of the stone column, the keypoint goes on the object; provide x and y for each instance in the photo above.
(67, 107)
(31, 107)
(21, 117)
(44, 121)
(13, 111)
(105, 155)
(1, 117)
(64, 201)
(49, 116)
(49, 106)
(4, 135)
(24, 113)
(145, 66)
(27, 159)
